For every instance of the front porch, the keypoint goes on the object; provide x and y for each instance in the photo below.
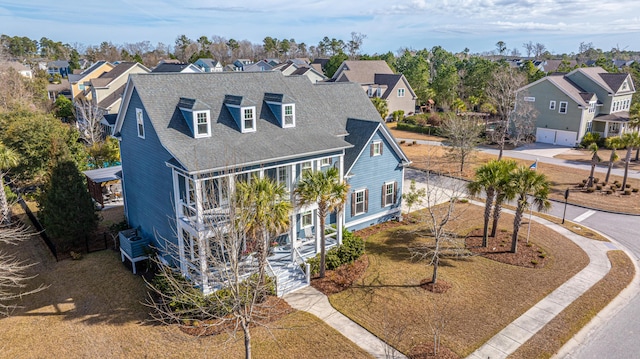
(610, 125)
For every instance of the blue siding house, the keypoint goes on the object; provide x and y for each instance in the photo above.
(186, 139)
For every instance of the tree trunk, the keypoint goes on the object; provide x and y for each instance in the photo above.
(247, 340)
(637, 154)
(501, 149)
(516, 228)
(593, 168)
(487, 214)
(5, 211)
(323, 253)
(263, 248)
(627, 161)
(434, 277)
(606, 178)
(497, 210)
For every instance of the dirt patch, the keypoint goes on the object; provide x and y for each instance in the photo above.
(529, 255)
(440, 286)
(269, 311)
(342, 278)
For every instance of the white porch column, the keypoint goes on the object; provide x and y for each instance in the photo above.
(317, 231)
(339, 220)
(292, 236)
(606, 129)
(202, 253)
(198, 198)
(181, 254)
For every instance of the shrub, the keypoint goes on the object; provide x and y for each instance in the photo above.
(397, 115)
(609, 191)
(635, 190)
(402, 142)
(584, 181)
(589, 138)
(616, 182)
(627, 192)
(627, 186)
(534, 262)
(596, 179)
(599, 187)
(414, 142)
(351, 249)
(590, 190)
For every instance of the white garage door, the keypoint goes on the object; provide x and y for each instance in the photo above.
(556, 137)
(566, 138)
(545, 135)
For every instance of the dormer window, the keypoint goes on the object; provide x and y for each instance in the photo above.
(370, 91)
(379, 92)
(248, 119)
(203, 124)
(288, 114)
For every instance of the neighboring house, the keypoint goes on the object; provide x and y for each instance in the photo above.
(186, 139)
(287, 68)
(240, 64)
(60, 67)
(587, 99)
(108, 88)
(378, 80)
(179, 67)
(259, 66)
(53, 90)
(209, 65)
(312, 74)
(80, 84)
(319, 64)
(18, 67)
(551, 66)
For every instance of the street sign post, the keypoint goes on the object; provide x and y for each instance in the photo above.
(566, 196)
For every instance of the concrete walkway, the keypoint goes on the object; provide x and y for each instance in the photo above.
(528, 324)
(313, 301)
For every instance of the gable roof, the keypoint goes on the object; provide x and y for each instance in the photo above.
(390, 81)
(73, 78)
(322, 112)
(360, 134)
(172, 67)
(106, 78)
(361, 71)
(109, 100)
(564, 84)
(614, 80)
(209, 62)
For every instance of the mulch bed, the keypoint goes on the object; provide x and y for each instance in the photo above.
(337, 280)
(528, 255)
(272, 309)
(440, 286)
(423, 351)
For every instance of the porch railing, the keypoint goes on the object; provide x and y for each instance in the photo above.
(303, 265)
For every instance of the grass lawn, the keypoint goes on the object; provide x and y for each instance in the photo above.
(484, 297)
(93, 309)
(434, 158)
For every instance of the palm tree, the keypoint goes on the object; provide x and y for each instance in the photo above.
(630, 140)
(325, 189)
(528, 182)
(634, 122)
(8, 158)
(488, 178)
(382, 106)
(504, 192)
(594, 161)
(263, 203)
(613, 143)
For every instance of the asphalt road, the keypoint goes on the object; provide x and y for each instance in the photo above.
(619, 336)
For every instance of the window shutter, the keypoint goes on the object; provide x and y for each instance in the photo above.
(330, 160)
(384, 194)
(371, 150)
(353, 204)
(381, 147)
(395, 192)
(366, 200)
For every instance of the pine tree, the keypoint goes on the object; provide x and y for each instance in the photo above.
(66, 209)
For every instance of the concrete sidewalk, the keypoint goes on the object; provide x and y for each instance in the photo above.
(528, 324)
(313, 301)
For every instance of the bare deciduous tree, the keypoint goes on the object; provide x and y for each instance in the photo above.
(88, 116)
(463, 133)
(442, 196)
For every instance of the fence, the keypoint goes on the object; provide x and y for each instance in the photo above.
(39, 228)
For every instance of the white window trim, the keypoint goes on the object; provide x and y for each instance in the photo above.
(355, 203)
(325, 162)
(566, 107)
(305, 168)
(195, 124)
(304, 214)
(386, 189)
(242, 119)
(379, 152)
(401, 92)
(140, 122)
(293, 114)
(552, 105)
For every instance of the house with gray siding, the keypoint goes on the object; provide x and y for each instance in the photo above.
(378, 80)
(209, 65)
(587, 99)
(182, 135)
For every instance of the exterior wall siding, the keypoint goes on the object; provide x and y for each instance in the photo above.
(147, 179)
(544, 92)
(587, 84)
(372, 172)
(406, 103)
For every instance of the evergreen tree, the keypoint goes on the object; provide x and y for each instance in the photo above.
(66, 209)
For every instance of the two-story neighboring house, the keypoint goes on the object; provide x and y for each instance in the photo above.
(60, 67)
(108, 88)
(209, 65)
(587, 99)
(81, 83)
(378, 80)
(187, 139)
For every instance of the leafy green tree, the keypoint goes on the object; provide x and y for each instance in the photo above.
(413, 196)
(475, 73)
(107, 152)
(488, 178)
(533, 73)
(527, 182)
(381, 106)
(270, 45)
(334, 63)
(327, 190)
(8, 159)
(444, 76)
(266, 213)
(63, 108)
(66, 208)
(415, 67)
(504, 192)
(612, 143)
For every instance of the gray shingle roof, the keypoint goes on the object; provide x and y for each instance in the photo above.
(359, 134)
(168, 67)
(614, 80)
(322, 112)
(362, 71)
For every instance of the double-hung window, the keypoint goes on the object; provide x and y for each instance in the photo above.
(552, 105)
(289, 116)
(376, 148)
(563, 107)
(388, 194)
(248, 119)
(400, 92)
(202, 124)
(140, 122)
(359, 202)
(325, 162)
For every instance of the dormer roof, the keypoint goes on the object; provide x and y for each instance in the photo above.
(190, 104)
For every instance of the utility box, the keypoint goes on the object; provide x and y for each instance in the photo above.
(133, 247)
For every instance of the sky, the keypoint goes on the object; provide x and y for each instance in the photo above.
(561, 25)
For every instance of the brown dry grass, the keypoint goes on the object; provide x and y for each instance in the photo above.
(564, 326)
(93, 309)
(434, 158)
(485, 295)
